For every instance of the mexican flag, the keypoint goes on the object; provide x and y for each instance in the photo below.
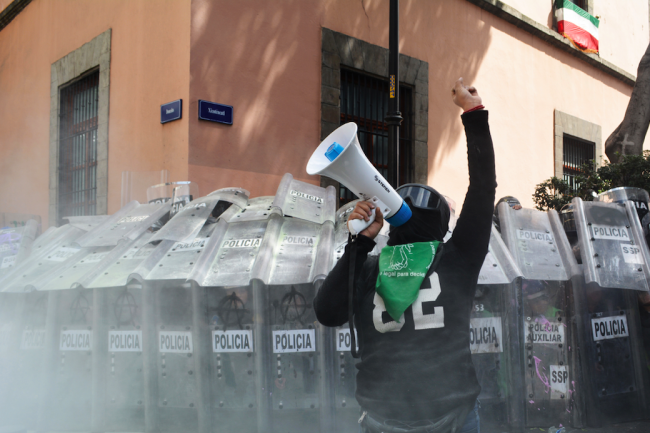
(577, 25)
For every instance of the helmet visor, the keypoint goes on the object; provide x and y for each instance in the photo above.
(420, 196)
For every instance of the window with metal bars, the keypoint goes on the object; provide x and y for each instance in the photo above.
(78, 147)
(576, 153)
(364, 100)
(580, 3)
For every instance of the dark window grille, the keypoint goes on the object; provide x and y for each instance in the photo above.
(582, 4)
(576, 153)
(78, 147)
(364, 100)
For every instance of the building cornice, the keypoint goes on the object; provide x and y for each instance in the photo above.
(12, 11)
(513, 16)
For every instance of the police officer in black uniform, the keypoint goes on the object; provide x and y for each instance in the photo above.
(416, 373)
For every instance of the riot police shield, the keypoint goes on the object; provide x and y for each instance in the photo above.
(615, 378)
(305, 201)
(301, 253)
(127, 224)
(189, 220)
(235, 317)
(543, 323)
(494, 350)
(15, 245)
(66, 403)
(612, 245)
(45, 258)
(174, 368)
(24, 382)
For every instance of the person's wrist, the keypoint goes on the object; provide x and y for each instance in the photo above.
(471, 108)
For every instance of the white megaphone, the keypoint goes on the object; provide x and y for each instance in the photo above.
(340, 157)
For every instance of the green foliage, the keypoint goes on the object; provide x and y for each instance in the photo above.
(631, 170)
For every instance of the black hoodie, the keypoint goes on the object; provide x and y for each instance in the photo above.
(421, 368)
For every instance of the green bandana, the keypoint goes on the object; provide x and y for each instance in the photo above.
(402, 269)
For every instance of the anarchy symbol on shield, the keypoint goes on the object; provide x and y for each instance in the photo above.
(79, 309)
(293, 306)
(231, 305)
(125, 308)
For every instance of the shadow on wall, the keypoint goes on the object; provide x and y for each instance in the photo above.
(453, 38)
(262, 58)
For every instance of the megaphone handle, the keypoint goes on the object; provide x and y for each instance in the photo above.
(357, 226)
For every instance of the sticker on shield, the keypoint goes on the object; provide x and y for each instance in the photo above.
(632, 254)
(76, 340)
(544, 332)
(611, 233)
(344, 341)
(559, 378)
(232, 341)
(485, 335)
(242, 243)
(300, 340)
(300, 194)
(62, 254)
(95, 257)
(125, 341)
(33, 339)
(194, 245)
(175, 342)
(532, 235)
(605, 328)
(8, 262)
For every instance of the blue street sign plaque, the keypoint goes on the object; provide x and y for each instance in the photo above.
(171, 111)
(215, 112)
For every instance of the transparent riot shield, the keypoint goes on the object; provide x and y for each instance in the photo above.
(15, 245)
(189, 220)
(302, 253)
(127, 224)
(177, 381)
(23, 389)
(494, 349)
(543, 323)
(45, 258)
(615, 378)
(67, 397)
(612, 245)
(305, 201)
(233, 372)
(236, 317)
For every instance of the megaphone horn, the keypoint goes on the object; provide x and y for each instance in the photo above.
(341, 158)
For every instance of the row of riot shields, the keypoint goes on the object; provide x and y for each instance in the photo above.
(204, 321)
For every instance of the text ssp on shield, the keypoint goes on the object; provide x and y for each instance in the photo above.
(76, 340)
(125, 341)
(232, 341)
(559, 379)
(175, 342)
(299, 340)
(605, 328)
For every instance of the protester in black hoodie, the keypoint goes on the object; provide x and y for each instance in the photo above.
(416, 373)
